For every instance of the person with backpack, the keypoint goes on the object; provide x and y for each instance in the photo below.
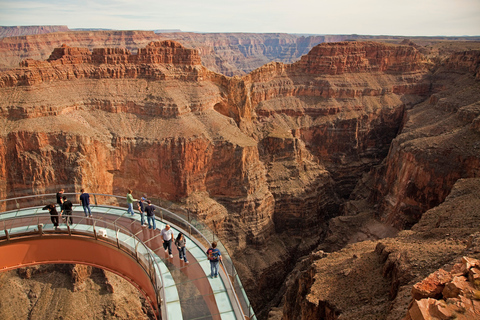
(180, 242)
(214, 256)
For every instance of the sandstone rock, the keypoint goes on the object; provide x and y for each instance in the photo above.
(458, 286)
(458, 300)
(432, 286)
(420, 310)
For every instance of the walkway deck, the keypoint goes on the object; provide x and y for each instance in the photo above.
(189, 291)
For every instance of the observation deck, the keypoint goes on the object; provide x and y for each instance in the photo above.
(115, 241)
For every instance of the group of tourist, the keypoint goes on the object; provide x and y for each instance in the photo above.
(144, 207)
(66, 209)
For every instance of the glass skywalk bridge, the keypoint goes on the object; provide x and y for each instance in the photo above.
(180, 290)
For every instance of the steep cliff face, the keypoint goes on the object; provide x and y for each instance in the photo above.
(439, 144)
(13, 50)
(265, 159)
(346, 120)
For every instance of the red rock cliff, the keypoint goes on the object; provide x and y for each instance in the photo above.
(272, 152)
(438, 145)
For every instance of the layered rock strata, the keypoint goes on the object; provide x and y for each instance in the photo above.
(439, 144)
(13, 50)
(264, 159)
(226, 53)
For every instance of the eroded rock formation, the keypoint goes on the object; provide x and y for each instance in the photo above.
(376, 279)
(438, 145)
(266, 159)
(448, 295)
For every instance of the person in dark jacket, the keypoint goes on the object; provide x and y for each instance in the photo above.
(150, 210)
(52, 208)
(141, 207)
(85, 200)
(59, 199)
(67, 210)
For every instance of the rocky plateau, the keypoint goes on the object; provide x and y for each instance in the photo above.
(337, 181)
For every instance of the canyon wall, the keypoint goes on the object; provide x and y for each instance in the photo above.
(16, 31)
(392, 278)
(267, 158)
(427, 183)
(438, 145)
(226, 53)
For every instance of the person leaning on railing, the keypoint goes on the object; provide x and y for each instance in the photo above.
(53, 213)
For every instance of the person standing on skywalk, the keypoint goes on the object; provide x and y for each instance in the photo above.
(167, 236)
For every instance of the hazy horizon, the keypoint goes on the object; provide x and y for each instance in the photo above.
(372, 17)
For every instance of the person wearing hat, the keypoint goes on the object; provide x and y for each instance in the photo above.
(141, 208)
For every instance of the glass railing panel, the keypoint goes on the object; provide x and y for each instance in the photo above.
(100, 209)
(26, 212)
(8, 215)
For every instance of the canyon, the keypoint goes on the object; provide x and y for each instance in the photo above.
(337, 179)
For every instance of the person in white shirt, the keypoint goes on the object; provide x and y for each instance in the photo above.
(167, 236)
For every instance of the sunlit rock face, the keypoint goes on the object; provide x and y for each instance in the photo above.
(274, 152)
(438, 145)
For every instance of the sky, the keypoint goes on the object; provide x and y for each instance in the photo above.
(368, 17)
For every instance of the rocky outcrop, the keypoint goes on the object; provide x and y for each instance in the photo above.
(377, 279)
(447, 295)
(13, 50)
(345, 57)
(67, 63)
(81, 292)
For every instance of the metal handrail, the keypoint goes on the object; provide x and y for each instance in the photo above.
(191, 230)
(146, 265)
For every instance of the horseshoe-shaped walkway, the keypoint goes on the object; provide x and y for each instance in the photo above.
(186, 290)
